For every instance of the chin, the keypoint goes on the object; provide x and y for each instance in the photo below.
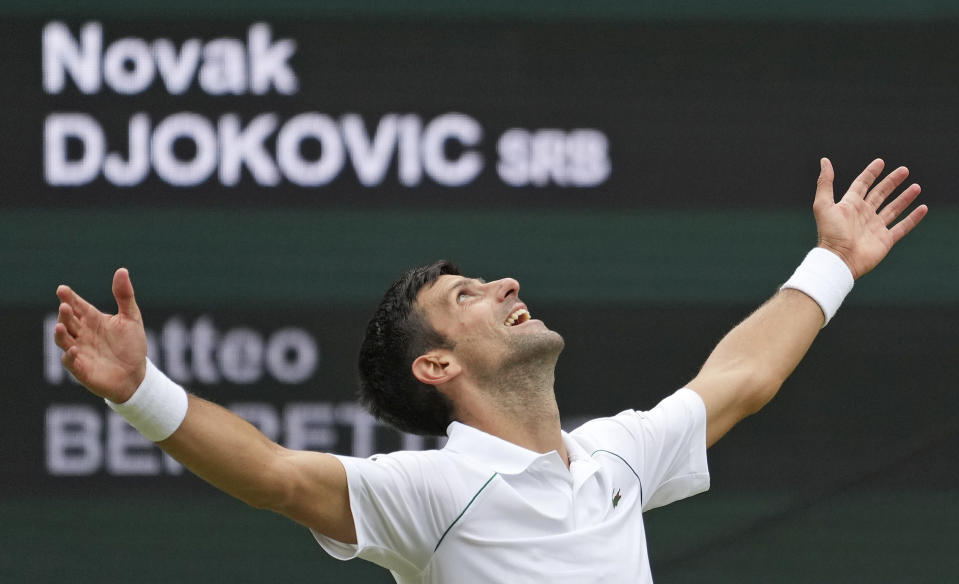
(558, 339)
(546, 344)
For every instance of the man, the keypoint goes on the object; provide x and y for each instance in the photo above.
(511, 496)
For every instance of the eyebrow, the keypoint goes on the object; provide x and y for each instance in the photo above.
(463, 281)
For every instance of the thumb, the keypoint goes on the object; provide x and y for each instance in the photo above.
(123, 292)
(824, 193)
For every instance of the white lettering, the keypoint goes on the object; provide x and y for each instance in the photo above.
(304, 172)
(177, 70)
(223, 66)
(240, 356)
(62, 54)
(363, 426)
(548, 158)
(240, 147)
(291, 355)
(587, 152)
(153, 346)
(371, 160)
(128, 452)
(128, 66)
(204, 338)
(184, 126)
(513, 149)
(135, 169)
(413, 442)
(53, 370)
(579, 158)
(309, 426)
(77, 445)
(202, 354)
(58, 169)
(444, 128)
(170, 465)
(73, 440)
(410, 167)
(312, 149)
(268, 62)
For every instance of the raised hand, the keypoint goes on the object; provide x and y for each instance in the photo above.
(106, 353)
(858, 228)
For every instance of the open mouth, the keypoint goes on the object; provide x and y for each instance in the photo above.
(518, 316)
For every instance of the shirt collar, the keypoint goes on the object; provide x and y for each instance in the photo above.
(500, 455)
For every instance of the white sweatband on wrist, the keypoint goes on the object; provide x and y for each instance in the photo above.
(825, 278)
(157, 407)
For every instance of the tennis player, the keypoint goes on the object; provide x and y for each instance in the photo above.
(511, 497)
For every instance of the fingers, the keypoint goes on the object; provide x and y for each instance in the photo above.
(878, 195)
(73, 314)
(861, 185)
(824, 193)
(62, 337)
(885, 187)
(81, 308)
(66, 316)
(903, 228)
(68, 342)
(71, 361)
(899, 204)
(123, 293)
(69, 357)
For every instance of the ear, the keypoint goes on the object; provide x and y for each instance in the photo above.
(435, 368)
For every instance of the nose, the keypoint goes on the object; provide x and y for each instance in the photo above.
(504, 288)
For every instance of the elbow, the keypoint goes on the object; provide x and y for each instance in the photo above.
(759, 388)
(732, 394)
(273, 490)
(262, 500)
(740, 391)
(270, 498)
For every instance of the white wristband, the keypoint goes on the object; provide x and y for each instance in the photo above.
(157, 407)
(825, 278)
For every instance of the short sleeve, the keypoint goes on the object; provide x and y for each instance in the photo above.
(400, 504)
(666, 446)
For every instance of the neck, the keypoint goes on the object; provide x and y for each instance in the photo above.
(522, 410)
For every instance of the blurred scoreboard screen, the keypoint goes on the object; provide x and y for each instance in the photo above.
(461, 114)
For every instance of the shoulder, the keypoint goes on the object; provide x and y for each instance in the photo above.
(437, 475)
(682, 409)
(664, 446)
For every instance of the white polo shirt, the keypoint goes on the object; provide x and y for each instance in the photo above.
(483, 510)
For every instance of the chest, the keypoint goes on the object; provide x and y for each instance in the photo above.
(601, 495)
(584, 527)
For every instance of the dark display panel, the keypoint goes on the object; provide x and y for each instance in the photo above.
(449, 115)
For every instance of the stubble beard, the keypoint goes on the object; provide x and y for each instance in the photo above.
(523, 381)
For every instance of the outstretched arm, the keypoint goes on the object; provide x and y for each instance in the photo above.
(107, 354)
(752, 361)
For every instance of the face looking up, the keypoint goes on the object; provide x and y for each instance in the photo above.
(491, 330)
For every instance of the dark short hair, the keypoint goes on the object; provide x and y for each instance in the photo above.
(397, 334)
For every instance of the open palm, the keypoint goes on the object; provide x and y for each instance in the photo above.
(106, 353)
(859, 229)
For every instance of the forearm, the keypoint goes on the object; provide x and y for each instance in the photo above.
(215, 444)
(229, 453)
(750, 364)
(232, 455)
(756, 356)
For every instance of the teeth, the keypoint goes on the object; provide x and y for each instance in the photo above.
(520, 316)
